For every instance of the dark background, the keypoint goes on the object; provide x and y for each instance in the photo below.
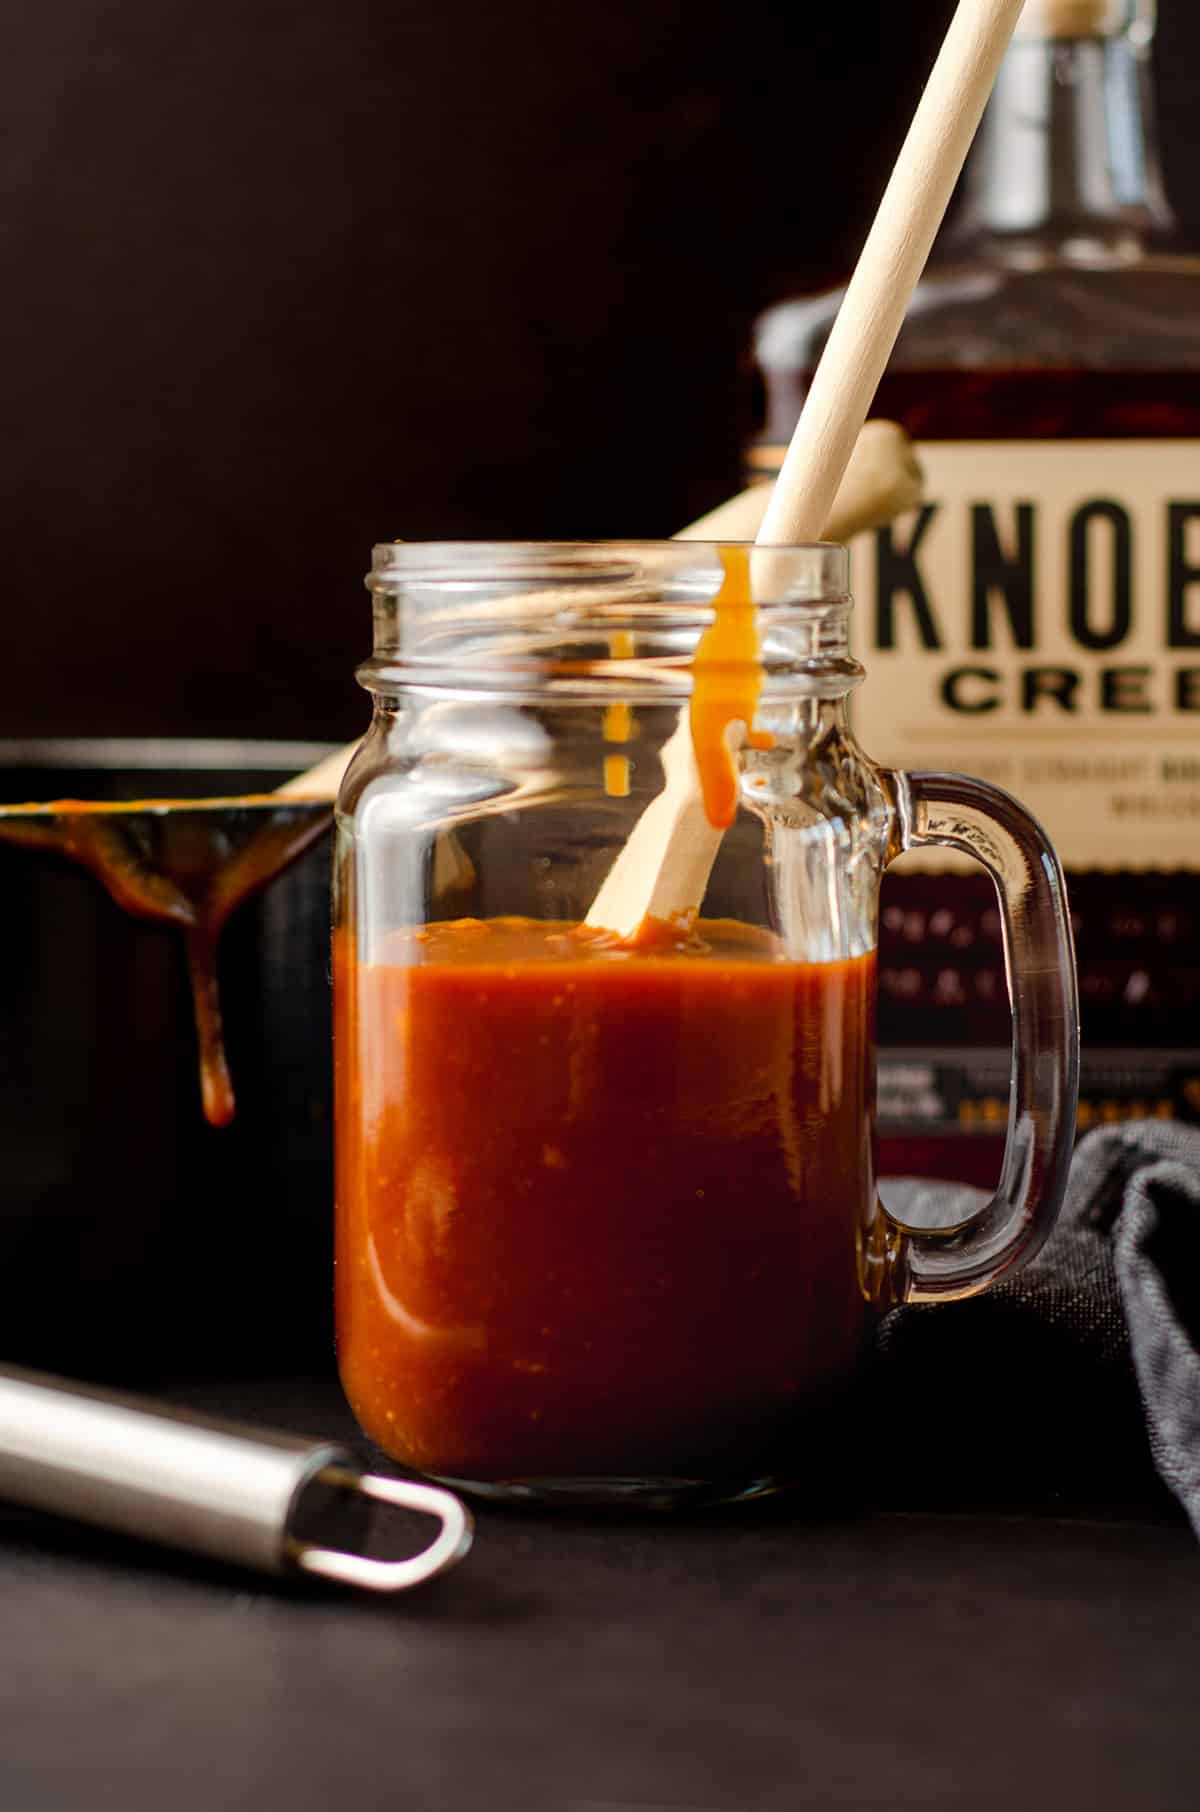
(282, 280)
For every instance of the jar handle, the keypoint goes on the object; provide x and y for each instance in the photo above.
(914, 1264)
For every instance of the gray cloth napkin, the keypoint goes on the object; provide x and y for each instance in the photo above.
(1084, 1369)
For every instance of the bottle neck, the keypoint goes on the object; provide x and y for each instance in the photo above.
(1066, 165)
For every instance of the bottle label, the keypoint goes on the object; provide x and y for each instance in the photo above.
(934, 1089)
(1037, 623)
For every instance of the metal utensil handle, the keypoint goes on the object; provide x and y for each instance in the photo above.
(193, 1482)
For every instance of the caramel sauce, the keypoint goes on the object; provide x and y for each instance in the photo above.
(188, 863)
(597, 1207)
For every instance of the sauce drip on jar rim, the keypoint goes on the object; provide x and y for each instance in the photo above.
(727, 679)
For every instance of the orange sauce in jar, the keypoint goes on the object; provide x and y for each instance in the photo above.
(597, 1206)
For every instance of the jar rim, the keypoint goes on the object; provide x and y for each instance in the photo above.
(810, 572)
(572, 618)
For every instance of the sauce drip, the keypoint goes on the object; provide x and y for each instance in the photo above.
(618, 723)
(727, 680)
(188, 863)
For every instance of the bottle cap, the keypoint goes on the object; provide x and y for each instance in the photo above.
(1073, 18)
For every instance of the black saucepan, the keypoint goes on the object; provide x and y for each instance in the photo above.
(138, 1240)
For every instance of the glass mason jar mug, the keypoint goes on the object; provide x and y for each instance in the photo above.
(607, 1221)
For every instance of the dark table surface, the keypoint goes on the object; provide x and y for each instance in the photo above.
(891, 1655)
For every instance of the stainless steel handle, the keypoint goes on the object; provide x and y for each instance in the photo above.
(251, 1496)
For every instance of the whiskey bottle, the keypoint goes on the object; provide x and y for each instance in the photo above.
(1037, 621)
